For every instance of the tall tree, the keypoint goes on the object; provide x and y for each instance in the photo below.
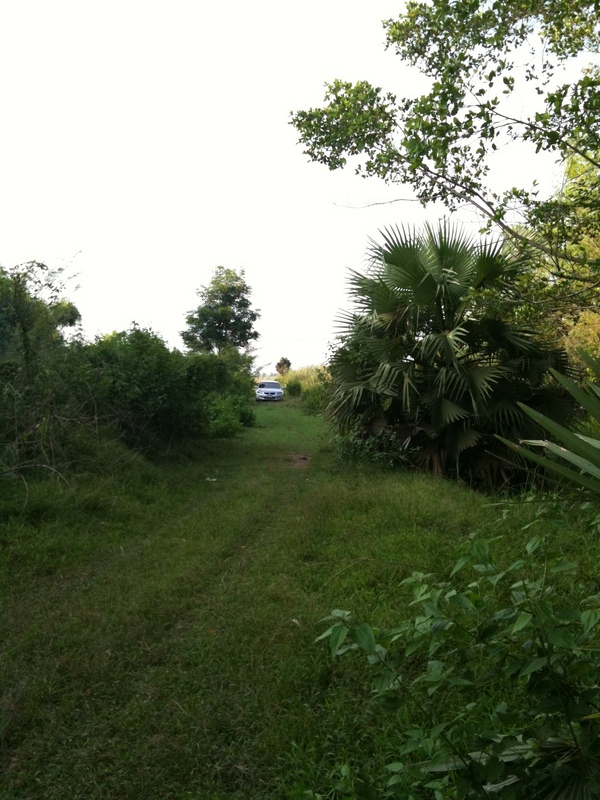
(225, 317)
(477, 55)
(423, 357)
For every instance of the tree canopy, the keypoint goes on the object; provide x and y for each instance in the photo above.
(479, 56)
(225, 317)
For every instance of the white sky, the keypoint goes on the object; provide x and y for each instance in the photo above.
(145, 143)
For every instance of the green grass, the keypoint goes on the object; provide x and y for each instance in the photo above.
(159, 622)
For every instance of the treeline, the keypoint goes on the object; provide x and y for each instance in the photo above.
(64, 399)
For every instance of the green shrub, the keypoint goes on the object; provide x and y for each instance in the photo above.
(382, 448)
(312, 385)
(227, 415)
(317, 393)
(224, 418)
(293, 388)
(143, 386)
(497, 678)
(40, 374)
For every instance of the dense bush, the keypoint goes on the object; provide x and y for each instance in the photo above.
(156, 395)
(317, 394)
(293, 388)
(383, 448)
(312, 385)
(140, 385)
(61, 400)
(494, 680)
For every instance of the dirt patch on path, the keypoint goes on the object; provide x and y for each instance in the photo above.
(298, 460)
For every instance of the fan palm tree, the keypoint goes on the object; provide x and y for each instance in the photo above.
(421, 357)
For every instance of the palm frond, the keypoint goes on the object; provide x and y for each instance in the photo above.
(371, 294)
(481, 379)
(491, 267)
(451, 382)
(386, 380)
(444, 411)
(400, 245)
(449, 249)
(504, 413)
(461, 437)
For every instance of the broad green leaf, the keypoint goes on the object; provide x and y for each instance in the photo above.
(533, 544)
(583, 464)
(325, 634)
(560, 637)
(589, 619)
(563, 566)
(522, 620)
(534, 666)
(338, 637)
(364, 637)
(395, 766)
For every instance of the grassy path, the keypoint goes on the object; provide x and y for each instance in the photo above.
(158, 628)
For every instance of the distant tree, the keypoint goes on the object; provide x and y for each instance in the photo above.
(283, 365)
(224, 317)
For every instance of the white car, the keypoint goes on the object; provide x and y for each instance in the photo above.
(269, 390)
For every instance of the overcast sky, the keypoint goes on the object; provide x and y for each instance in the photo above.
(145, 143)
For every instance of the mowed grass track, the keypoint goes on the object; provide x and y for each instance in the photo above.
(159, 623)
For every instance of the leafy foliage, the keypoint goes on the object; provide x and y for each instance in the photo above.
(224, 317)
(496, 677)
(422, 357)
(478, 57)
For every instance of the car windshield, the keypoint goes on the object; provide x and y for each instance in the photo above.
(269, 385)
